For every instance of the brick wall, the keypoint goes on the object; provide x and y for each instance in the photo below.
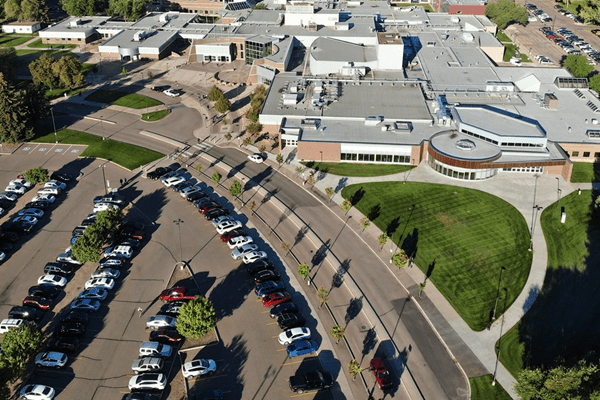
(311, 151)
(579, 151)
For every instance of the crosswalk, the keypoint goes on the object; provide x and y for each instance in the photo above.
(194, 150)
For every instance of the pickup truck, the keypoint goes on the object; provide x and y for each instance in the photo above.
(175, 294)
(311, 381)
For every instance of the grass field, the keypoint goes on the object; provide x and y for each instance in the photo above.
(53, 94)
(501, 36)
(13, 40)
(135, 101)
(510, 51)
(562, 324)
(357, 170)
(155, 116)
(482, 389)
(461, 239)
(126, 155)
(585, 172)
(39, 45)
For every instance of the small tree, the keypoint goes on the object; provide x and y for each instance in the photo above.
(303, 271)
(18, 346)
(365, 223)
(36, 175)
(224, 122)
(235, 189)
(323, 296)
(383, 239)
(222, 105)
(285, 246)
(124, 71)
(279, 159)
(247, 141)
(252, 205)
(299, 170)
(354, 369)
(196, 318)
(346, 206)
(422, 287)
(228, 137)
(216, 177)
(329, 193)
(254, 128)
(215, 94)
(338, 332)
(198, 167)
(311, 180)
(262, 148)
(400, 258)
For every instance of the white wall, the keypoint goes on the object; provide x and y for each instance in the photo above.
(21, 28)
(390, 56)
(300, 19)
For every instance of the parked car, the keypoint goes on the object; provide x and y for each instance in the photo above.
(106, 273)
(215, 213)
(49, 292)
(171, 309)
(132, 231)
(198, 367)
(39, 302)
(166, 336)
(175, 294)
(262, 289)
(22, 182)
(67, 257)
(93, 293)
(195, 196)
(48, 191)
(302, 348)
(17, 189)
(276, 298)
(147, 364)
(54, 184)
(61, 176)
(216, 221)
(155, 349)
(59, 268)
(189, 190)
(172, 93)
(206, 206)
(265, 276)
(310, 382)
(26, 313)
(382, 376)
(140, 396)
(181, 186)
(256, 158)
(53, 280)
(12, 197)
(257, 266)
(288, 307)
(37, 392)
(114, 262)
(227, 226)
(99, 207)
(242, 251)
(239, 241)
(87, 305)
(40, 205)
(148, 382)
(293, 334)
(50, 359)
(76, 316)
(157, 173)
(10, 323)
(71, 329)
(160, 321)
(231, 234)
(288, 321)
(254, 256)
(174, 180)
(105, 283)
(26, 218)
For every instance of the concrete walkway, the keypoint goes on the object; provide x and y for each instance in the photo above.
(521, 190)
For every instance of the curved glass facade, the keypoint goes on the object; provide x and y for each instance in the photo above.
(461, 173)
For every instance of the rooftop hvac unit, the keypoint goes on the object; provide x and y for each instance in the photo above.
(75, 22)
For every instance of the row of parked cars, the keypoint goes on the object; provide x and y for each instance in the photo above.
(571, 43)
(535, 14)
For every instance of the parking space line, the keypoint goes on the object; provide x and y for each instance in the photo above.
(32, 150)
(293, 363)
(301, 395)
(271, 323)
(284, 349)
(66, 150)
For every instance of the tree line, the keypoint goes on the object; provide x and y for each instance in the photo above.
(36, 10)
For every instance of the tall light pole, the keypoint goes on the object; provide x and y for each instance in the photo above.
(54, 125)
(558, 189)
(498, 348)
(178, 222)
(104, 180)
(536, 208)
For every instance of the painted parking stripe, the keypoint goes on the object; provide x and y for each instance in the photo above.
(33, 149)
(66, 150)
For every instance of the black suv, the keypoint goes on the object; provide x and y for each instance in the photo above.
(49, 292)
(71, 329)
(289, 320)
(259, 266)
(157, 173)
(26, 313)
(76, 316)
(64, 344)
(58, 268)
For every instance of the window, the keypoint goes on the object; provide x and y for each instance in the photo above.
(596, 155)
(575, 154)
(586, 154)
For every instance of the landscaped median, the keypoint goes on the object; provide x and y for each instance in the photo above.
(357, 170)
(585, 172)
(155, 115)
(123, 154)
(135, 101)
(471, 244)
(482, 389)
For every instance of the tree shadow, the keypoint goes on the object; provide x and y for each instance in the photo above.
(236, 169)
(230, 293)
(369, 343)
(319, 256)
(374, 212)
(338, 276)
(354, 308)
(393, 227)
(357, 196)
(430, 269)
(409, 244)
(300, 235)
(342, 183)
(291, 155)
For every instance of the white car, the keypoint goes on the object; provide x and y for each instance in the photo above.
(290, 335)
(227, 226)
(239, 241)
(22, 182)
(9, 196)
(87, 305)
(55, 184)
(106, 273)
(256, 158)
(516, 62)
(254, 256)
(34, 212)
(198, 367)
(161, 321)
(96, 293)
(148, 382)
(51, 359)
(99, 207)
(172, 93)
(54, 280)
(220, 219)
(105, 283)
(51, 191)
(27, 218)
(37, 392)
(174, 180)
(44, 197)
(68, 258)
(18, 189)
(242, 251)
(189, 190)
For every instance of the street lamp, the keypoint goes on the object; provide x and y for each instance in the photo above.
(558, 188)
(178, 222)
(498, 348)
(54, 125)
(536, 208)
(104, 179)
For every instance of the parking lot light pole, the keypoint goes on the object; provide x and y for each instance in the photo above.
(536, 208)
(104, 180)
(54, 125)
(178, 222)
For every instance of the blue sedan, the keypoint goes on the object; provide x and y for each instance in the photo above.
(302, 348)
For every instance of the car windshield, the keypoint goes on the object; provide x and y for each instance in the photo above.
(46, 390)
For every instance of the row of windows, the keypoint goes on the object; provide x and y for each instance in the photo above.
(386, 158)
(479, 136)
(462, 175)
(524, 169)
(291, 142)
(586, 154)
(504, 144)
(217, 58)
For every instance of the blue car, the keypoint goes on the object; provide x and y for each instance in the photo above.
(74, 239)
(302, 348)
(268, 287)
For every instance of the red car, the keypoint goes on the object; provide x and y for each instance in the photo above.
(382, 376)
(38, 302)
(175, 294)
(231, 234)
(272, 299)
(209, 205)
(165, 336)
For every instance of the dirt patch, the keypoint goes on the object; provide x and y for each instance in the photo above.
(448, 221)
(209, 338)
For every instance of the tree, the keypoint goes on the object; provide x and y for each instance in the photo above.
(235, 189)
(15, 121)
(18, 346)
(346, 206)
(123, 71)
(578, 66)
(299, 170)
(262, 148)
(8, 57)
(506, 12)
(594, 83)
(329, 192)
(34, 10)
(38, 105)
(216, 177)
(400, 258)
(365, 223)
(254, 128)
(252, 205)
(12, 9)
(198, 167)
(354, 369)
(42, 71)
(196, 318)
(279, 159)
(311, 180)
(215, 94)
(79, 8)
(67, 71)
(247, 141)
(223, 105)
(338, 332)
(382, 239)
(422, 287)
(36, 175)
(590, 11)
(131, 10)
(87, 248)
(303, 271)
(323, 296)
(109, 220)
(578, 382)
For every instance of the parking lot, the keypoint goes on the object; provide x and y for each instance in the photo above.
(250, 362)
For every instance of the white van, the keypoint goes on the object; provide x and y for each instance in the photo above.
(119, 251)
(8, 324)
(155, 349)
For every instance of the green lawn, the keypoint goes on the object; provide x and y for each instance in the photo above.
(562, 324)
(357, 170)
(39, 45)
(155, 116)
(501, 36)
(56, 93)
(482, 389)
(585, 172)
(39, 52)
(116, 98)
(462, 239)
(510, 51)
(126, 155)
(13, 40)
